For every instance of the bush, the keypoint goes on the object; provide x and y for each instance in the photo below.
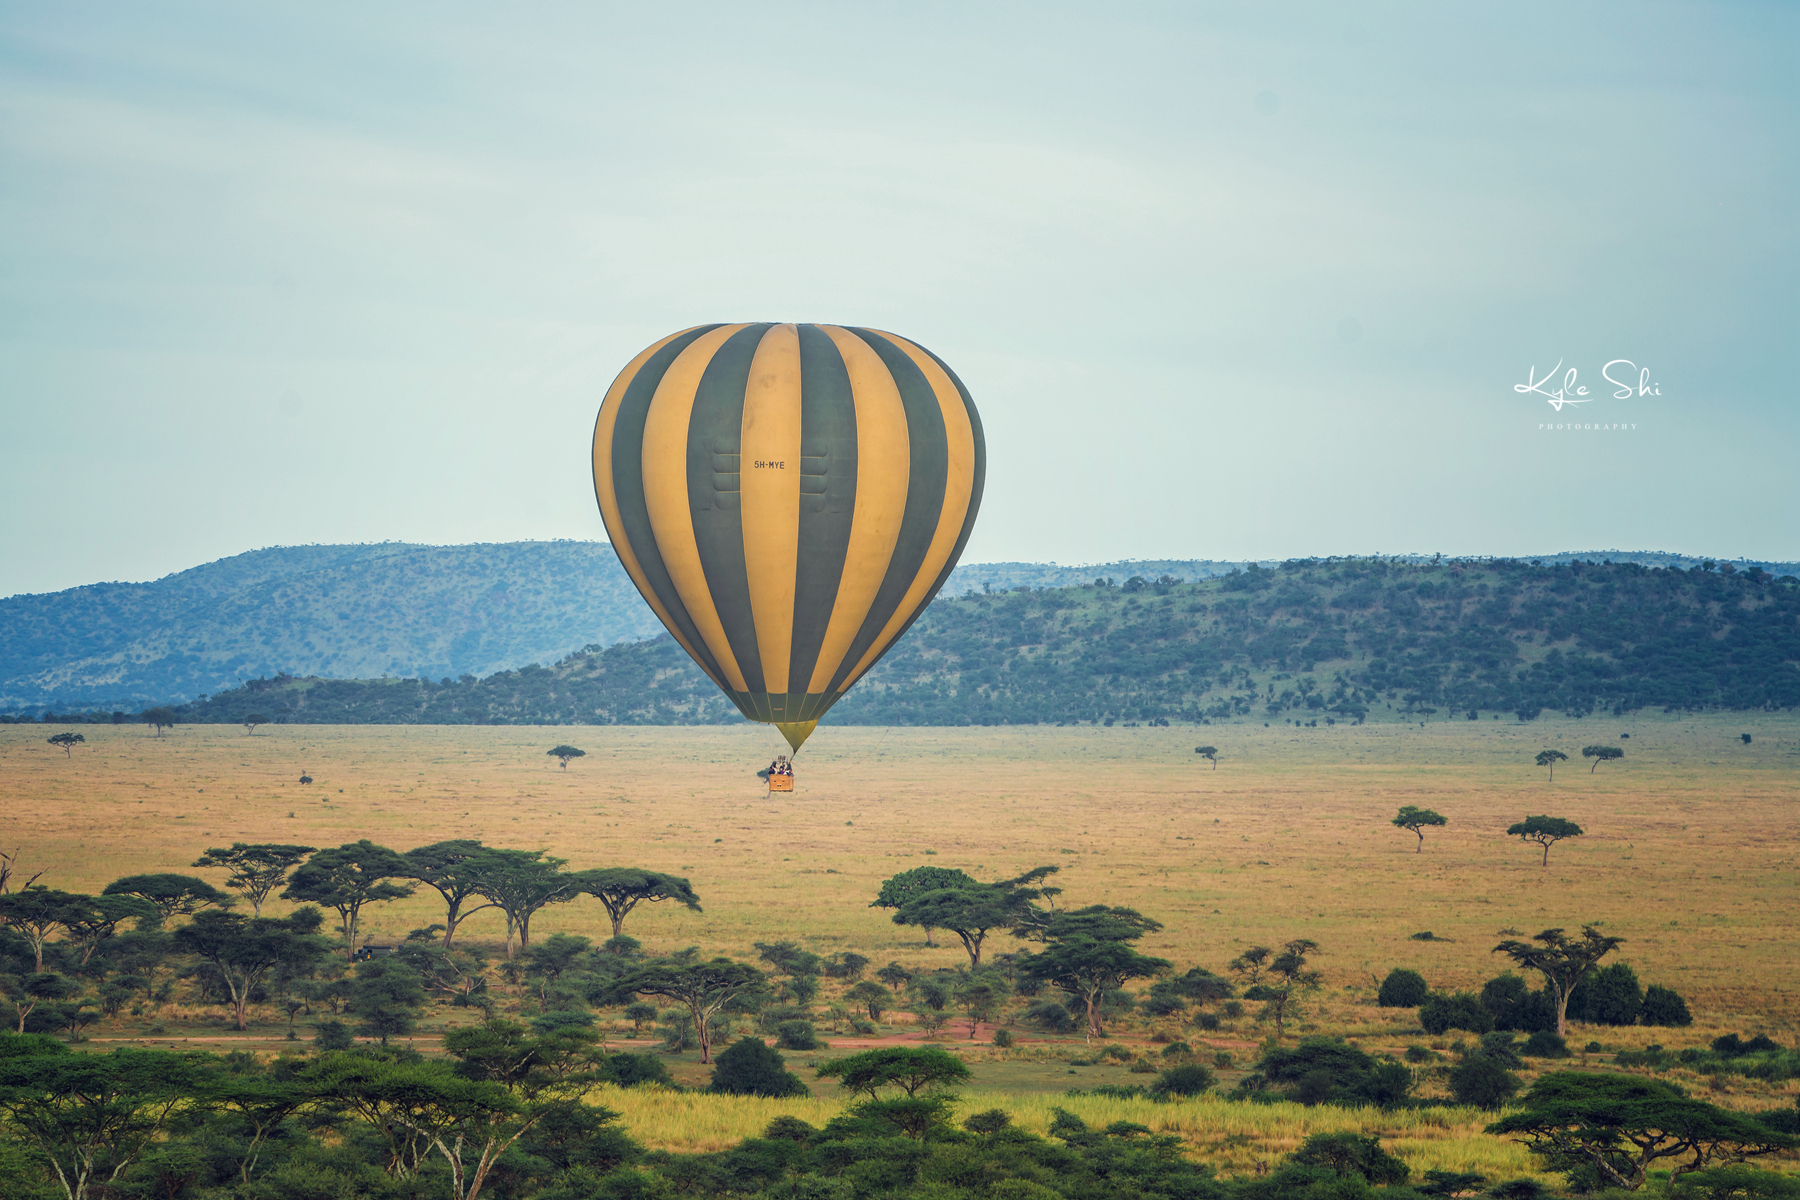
(749, 1068)
(991, 1120)
(1186, 1079)
(797, 1035)
(1482, 1082)
(1403, 989)
(1544, 1044)
(1050, 1017)
(1207, 1021)
(1608, 996)
(1003, 1038)
(1664, 1006)
(1515, 1006)
(1351, 1154)
(1178, 1050)
(631, 1070)
(1418, 1054)
(1440, 1014)
(331, 1035)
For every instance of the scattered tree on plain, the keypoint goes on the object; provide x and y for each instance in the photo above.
(1545, 831)
(703, 988)
(1416, 820)
(621, 889)
(1601, 754)
(1088, 953)
(255, 869)
(66, 742)
(564, 753)
(455, 870)
(173, 895)
(1549, 758)
(1210, 753)
(1563, 961)
(252, 720)
(243, 950)
(160, 718)
(1279, 979)
(346, 879)
(972, 912)
(896, 890)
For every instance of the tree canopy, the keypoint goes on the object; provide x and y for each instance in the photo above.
(1620, 1126)
(1545, 831)
(1601, 754)
(1549, 758)
(1563, 961)
(255, 869)
(1416, 820)
(347, 878)
(621, 889)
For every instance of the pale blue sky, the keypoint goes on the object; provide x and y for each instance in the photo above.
(1226, 281)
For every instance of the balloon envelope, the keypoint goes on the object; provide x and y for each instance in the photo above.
(788, 499)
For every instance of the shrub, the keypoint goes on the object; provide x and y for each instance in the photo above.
(1499, 1047)
(788, 1129)
(1418, 1054)
(1222, 1060)
(1544, 1044)
(631, 1070)
(1178, 1050)
(1608, 996)
(992, 1120)
(1440, 1014)
(1351, 1154)
(1207, 1021)
(797, 1035)
(1050, 1017)
(1186, 1079)
(747, 1067)
(1234, 1009)
(1664, 1006)
(1515, 1006)
(1003, 1038)
(330, 1035)
(1482, 1082)
(1403, 989)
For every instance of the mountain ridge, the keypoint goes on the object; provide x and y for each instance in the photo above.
(406, 609)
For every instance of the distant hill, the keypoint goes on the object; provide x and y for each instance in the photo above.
(1343, 640)
(401, 610)
(346, 611)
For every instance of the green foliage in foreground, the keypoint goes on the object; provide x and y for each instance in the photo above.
(1313, 640)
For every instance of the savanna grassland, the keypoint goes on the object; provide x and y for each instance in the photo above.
(1690, 854)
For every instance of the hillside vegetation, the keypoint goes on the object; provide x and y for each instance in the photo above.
(344, 611)
(1310, 641)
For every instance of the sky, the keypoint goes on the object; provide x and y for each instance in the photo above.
(1229, 281)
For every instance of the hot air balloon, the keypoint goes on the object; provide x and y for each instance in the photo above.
(788, 499)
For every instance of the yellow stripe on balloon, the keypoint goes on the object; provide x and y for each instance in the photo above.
(959, 487)
(883, 468)
(769, 468)
(607, 494)
(666, 494)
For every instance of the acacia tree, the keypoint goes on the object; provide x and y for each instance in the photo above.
(908, 885)
(161, 717)
(1545, 831)
(1549, 758)
(93, 1115)
(243, 950)
(910, 1069)
(703, 988)
(621, 889)
(97, 918)
(1601, 754)
(972, 911)
(1621, 1126)
(66, 741)
(1089, 953)
(252, 720)
(256, 869)
(520, 882)
(455, 869)
(1562, 961)
(1211, 753)
(1279, 979)
(565, 753)
(173, 895)
(36, 912)
(347, 878)
(1416, 820)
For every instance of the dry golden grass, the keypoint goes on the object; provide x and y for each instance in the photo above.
(1690, 852)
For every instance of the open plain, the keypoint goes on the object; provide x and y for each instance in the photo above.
(1691, 850)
